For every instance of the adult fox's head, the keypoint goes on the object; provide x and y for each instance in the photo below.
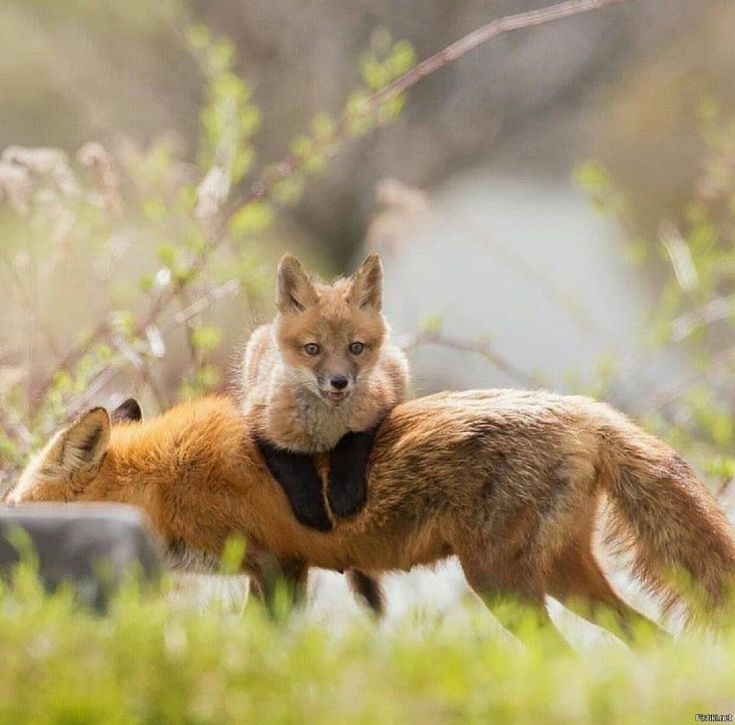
(64, 469)
(330, 336)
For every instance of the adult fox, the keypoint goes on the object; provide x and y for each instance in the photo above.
(508, 481)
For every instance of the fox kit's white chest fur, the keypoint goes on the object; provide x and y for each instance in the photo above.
(324, 424)
(299, 420)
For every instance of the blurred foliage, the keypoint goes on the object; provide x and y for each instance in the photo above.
(131, 270)
(652, 111)
(123, 279)
(157, 659)
(695, 314)
(105, 70)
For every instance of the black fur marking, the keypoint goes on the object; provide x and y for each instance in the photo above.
(177, 547)
(128, 410)
(297, 305)
(346, 484)
(90, 445)
(369, 589)
(301, 483)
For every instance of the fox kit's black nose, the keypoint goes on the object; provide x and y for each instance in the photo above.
(339, 382)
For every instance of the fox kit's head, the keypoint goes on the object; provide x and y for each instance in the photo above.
(330, 335)
(73, 458)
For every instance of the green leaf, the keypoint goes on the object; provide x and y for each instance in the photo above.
(432, 324)
(166, 252)
(206, 339)
(252, 218)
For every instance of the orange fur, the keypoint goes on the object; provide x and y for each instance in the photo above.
(508, 481)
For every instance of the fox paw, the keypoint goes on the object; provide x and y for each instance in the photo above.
(300, 482)
(315, 519)
(347, 498)
(346, 484)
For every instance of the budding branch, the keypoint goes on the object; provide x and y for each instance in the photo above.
(294, 162)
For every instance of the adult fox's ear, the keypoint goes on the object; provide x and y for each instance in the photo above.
(295, 289)
(128, 410)
(367, 284)
(84, 443)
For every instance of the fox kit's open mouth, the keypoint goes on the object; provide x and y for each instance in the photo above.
(335, 396)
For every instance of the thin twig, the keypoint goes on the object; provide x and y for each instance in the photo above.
(716, 310)
(114, 367)
(231, 287)
(74, 355)
(11, 424)
(188, 330)
(149, 378)
(27, 303)
(476, 346)
(724, 362)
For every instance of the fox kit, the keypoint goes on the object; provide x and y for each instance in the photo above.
(320, 378)
(508, 481)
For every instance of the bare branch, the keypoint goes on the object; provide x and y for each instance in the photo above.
(716, 310)
(74, 355)
(294, 162)
(231, 287)
(723, 363)
(479, 347)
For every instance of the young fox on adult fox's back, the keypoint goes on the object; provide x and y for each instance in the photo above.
(508, 481)
(319, 378)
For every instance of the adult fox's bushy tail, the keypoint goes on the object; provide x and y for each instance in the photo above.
(682, 544)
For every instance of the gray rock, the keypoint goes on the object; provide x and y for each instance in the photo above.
(93, 547)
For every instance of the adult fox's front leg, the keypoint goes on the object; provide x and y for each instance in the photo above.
(270, 577)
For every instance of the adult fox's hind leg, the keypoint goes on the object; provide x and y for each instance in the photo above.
(515, 603)
(509, 576)
(577, 581)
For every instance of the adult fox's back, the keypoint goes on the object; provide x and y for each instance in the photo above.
(509, 481)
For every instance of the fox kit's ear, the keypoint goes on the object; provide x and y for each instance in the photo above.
(367, 284)
(128, 410)
(296, 291)
(84, 443)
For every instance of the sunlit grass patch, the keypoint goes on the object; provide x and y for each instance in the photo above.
(150, 660)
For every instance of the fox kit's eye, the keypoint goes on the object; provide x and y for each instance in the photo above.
(311, 348)
(357, 347)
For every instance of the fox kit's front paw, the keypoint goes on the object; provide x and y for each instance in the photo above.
(346, 486)
(312, 514)
(301, 483)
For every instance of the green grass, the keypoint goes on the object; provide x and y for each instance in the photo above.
(151, 660)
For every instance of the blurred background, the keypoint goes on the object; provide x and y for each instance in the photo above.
(556, 208)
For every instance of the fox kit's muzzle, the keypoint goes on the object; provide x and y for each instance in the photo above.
(336, 387)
